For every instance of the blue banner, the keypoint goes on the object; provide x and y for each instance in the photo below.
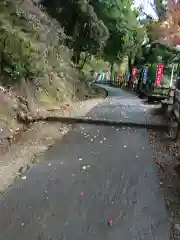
(145, 75)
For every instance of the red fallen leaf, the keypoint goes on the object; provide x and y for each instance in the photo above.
(159, 163)
(110, 223)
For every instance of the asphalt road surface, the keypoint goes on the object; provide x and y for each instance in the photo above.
(96, 175)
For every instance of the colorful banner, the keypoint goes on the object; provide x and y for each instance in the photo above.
(127, 75)
(144, 75)
(103, 79)
(134, 70)
(108, 75)
(120, 76)
(159, 73)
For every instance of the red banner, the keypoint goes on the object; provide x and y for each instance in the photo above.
(134, 70)
(159, 73)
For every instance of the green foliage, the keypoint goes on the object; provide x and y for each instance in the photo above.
(151, 50)
(126, 35)
(26, 52)
(32, 58)
(87, 31)
(16, 52)
(152, 73)
(108, 28)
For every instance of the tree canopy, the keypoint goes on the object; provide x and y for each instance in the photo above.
(166, 29)
(106, 27)
(112, 29)
(161, 34)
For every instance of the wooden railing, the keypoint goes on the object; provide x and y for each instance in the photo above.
(176, 111)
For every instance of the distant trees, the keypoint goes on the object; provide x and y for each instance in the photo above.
(167, 29)
(105, 27)
(162, 34)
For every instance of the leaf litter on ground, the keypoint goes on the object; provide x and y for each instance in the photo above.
(166, 153)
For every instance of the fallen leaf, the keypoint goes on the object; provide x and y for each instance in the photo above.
(23, 177)
(110, 223)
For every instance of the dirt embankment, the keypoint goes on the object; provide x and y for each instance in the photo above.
(28, 146)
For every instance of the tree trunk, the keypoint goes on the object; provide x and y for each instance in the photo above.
(111, 69)
(130, 64)
(84, 61)
(130, 70)
(76, 57)
(139, 81)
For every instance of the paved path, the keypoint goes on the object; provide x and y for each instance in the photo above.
(125, 106)
(95, 174)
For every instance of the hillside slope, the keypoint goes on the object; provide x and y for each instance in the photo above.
(36, 69)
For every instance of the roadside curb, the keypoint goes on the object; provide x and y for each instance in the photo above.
(90, 120)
